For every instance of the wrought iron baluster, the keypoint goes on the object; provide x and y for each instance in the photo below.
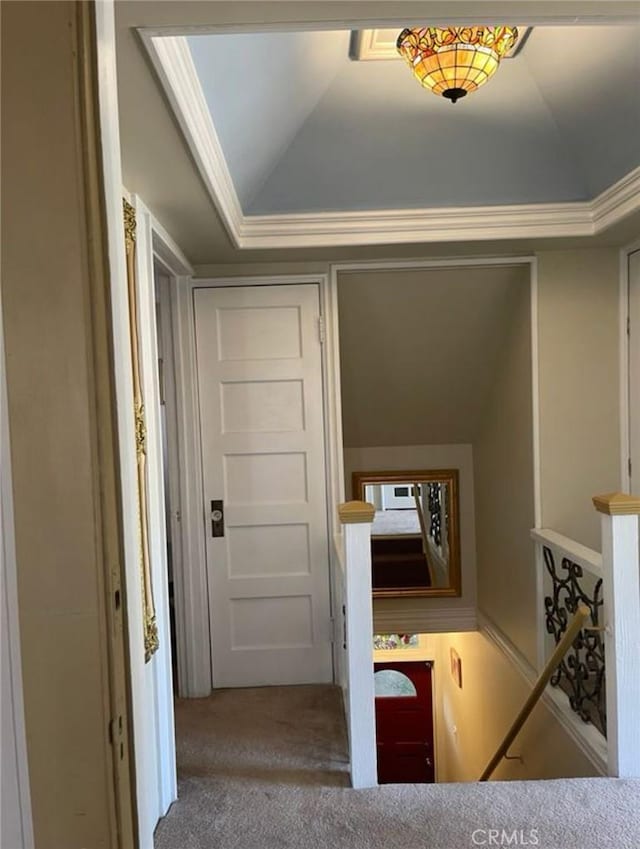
(581, 674)
(435, 529)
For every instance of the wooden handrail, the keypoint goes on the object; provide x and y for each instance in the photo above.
(423, 531)
(581, 615)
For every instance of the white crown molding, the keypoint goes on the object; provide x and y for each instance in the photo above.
(172, 59)
(481, 223)
(588, 739)
(420, 619)
(173, 62)
(616, 202)
(406, 226)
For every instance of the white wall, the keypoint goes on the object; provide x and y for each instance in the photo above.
(426, 614)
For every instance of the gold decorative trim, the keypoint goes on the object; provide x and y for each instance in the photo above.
(617, 504)
(150, 627)
(129, 224)
(141, 430)
(356, 512)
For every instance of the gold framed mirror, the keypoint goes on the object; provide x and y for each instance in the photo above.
(415, 536)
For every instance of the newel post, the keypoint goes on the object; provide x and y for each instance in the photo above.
(621, 597)
(356, 517)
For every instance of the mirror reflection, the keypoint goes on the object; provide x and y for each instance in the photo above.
(414, 536)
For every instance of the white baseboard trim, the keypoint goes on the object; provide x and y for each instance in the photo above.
(418, 620)
(588, 739)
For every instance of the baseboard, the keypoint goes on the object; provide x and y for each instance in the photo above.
(586, 737)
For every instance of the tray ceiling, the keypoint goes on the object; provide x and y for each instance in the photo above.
(287, 129)
(303, 128)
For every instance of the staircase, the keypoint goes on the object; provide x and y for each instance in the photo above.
(398, 561)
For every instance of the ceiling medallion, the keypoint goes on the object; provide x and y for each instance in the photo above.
(453, 61)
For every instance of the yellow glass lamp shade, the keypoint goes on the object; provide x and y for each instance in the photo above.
(453, 61)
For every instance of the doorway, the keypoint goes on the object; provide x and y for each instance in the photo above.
(260, 398)
(404, 722)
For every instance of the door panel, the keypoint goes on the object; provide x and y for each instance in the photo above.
(261, 416)
(404, 723)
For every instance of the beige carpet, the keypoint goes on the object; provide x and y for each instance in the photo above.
(267, 769)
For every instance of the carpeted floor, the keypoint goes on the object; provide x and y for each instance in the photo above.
(267, 769)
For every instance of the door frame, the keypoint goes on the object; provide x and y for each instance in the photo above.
(192, 609)
(625, 365)
(168, 257)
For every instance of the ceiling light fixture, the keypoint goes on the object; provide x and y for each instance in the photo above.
(453, 61)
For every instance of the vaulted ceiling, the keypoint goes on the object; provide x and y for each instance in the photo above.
(302, 130)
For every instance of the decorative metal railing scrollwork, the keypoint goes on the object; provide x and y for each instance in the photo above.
(434, 502)
(581, 674)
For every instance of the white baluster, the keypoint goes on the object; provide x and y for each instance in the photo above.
(357, 516)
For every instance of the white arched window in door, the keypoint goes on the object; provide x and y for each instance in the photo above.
(391, 682)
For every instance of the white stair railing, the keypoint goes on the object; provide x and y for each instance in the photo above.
(609, 645)
(356, 518)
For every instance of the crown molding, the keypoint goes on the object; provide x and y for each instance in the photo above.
(616, 202)
(172, 60)
(405, 226)
(452, 224)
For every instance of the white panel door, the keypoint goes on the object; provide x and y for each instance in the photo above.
(261, 415)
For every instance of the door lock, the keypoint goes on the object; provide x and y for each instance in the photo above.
(217, 518)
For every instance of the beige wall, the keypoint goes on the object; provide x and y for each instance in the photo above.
(418, 348)
(504, 489)
(474, 719)
(49, 360)
(578, 301)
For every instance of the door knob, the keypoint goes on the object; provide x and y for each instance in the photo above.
(217, 518)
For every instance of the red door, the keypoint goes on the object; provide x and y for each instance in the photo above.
(404, 723)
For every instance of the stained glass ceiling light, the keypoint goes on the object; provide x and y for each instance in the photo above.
(453, 61)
